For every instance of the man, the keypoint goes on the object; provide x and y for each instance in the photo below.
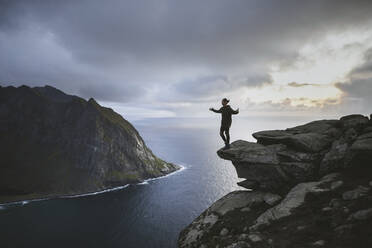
(226, 120)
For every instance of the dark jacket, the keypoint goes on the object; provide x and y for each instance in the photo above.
(226, 112)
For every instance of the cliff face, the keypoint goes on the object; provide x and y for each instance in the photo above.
(56, 144)
(312, 186)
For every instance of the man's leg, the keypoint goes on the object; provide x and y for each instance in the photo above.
(227, 132)
(222, 135)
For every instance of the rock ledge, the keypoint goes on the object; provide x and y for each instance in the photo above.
(312, 187)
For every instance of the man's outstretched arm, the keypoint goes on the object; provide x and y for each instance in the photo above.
(214, 110)
(235, 112)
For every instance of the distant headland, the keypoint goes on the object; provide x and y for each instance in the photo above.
(54, 144)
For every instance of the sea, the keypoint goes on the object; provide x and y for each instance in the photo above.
(150, 214)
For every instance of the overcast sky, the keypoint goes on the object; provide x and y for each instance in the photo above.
(177, 58)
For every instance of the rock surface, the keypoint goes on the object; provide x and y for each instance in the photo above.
(57, 144)
(318, 177)
(293, 200)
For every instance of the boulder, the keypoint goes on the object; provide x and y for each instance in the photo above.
(333, 159)
(332, 177)
(298, 171)
(289, 155)
(360, 153)
(356, 121)
(256, 163)
(361, 215)
(356, 193)
(368, 129)
(246, 209)
(337, 184)
(350, 135)
(320, 126)
(197, 230)
(365, 136)
(269, 177)
(362, 145)
(309, 142)
(241, 199)
(271, 136)
(248, 184)
(293, 200)
(212, 223)
(276, 167)
(249, 152)
(306, 142)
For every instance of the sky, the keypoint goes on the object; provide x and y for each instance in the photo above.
(166, 58)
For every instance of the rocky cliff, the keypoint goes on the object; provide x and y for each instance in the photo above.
(57, 144)
(309, 186)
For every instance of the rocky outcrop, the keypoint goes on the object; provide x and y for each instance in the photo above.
(292, 201)
(210, 226)
(320, 177)
(282, 158)
(57, 144)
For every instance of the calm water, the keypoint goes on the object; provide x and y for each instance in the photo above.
(147, 215)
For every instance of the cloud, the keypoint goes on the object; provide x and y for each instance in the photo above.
(357, 91)
(294, 84)
(163, 51)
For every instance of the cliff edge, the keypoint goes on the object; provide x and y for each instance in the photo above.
(55, 144)
(307, 186)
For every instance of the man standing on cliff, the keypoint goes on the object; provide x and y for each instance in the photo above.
(226, 120)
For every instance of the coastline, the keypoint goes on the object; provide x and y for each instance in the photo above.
(67, 196)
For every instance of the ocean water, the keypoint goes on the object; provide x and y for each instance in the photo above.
(147, 215)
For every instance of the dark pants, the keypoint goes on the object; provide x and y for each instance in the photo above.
(225, 135)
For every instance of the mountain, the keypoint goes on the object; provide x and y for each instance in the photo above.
(306, 186)
(55, 144)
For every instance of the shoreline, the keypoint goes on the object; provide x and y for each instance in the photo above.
(52, 197)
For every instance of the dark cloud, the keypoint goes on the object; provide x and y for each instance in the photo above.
(357, 96)
(207, 87)
(121, 50)
(364, 70)
(294, 84)
(358, 90)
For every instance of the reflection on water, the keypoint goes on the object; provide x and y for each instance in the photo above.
(146, 215)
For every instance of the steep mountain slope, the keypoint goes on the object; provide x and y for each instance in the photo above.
(57, 144)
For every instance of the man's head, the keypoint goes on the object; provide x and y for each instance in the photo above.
(225, 101)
